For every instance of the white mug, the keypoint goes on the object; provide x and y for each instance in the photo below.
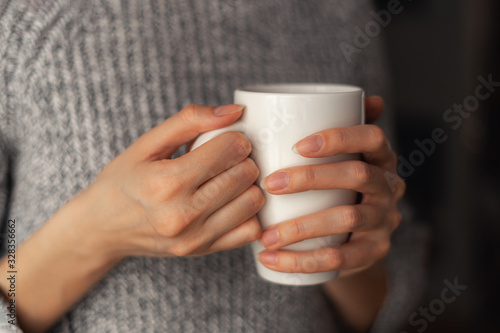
(275, 118)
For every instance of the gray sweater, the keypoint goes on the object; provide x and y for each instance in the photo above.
(82, 80)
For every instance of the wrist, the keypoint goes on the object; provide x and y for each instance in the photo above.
(374, 275)
(59, 263)
(82, 227)
(358, 297)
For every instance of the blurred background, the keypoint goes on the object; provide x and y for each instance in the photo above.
(437, 50)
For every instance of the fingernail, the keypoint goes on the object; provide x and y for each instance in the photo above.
(309, 145)
(269, 258)
(227, 109)
(274, 182)
(270, 237)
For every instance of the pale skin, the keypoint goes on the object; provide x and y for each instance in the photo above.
(144, 203)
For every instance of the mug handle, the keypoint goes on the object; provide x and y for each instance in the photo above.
(207, 136)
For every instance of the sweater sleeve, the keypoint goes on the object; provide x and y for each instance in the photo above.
(405, 266)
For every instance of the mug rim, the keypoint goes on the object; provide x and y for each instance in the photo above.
(300, 88)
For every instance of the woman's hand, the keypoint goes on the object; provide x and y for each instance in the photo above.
(371, 222)
(142, 203)
(199, 203)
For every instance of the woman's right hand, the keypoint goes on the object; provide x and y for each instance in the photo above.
(145, 203)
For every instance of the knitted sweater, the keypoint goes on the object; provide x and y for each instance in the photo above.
(81, 80)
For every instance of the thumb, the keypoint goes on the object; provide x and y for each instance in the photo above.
(163, 140)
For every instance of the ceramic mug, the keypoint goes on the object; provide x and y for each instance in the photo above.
(277, 116)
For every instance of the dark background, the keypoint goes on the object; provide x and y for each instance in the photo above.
(437, 50)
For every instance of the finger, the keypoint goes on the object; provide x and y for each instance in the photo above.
(394, 219)
(245, 233)
(332, 221)
(163, 140)
(354, 175)
(353, 254)
(215, 156)
(233, 213)
(396, 184)
(225, 187)
(374, 106)
(370, 140)
(352, 271)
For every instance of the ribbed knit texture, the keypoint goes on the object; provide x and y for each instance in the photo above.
(82, 80)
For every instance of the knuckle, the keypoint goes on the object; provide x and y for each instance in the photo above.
(298, 230)
(174, 185)
(182, 248)
(377, 136)
(164, 182)
(180, 220)
(206, 195)
(400, 188)
(167, 227)
(194, 209)
(200, 243)
(341, 137)
(189, 113)
(361, 172)
(397, 218)
(334, 258)
(309, 175)
(403, 185)
(294, 263)
(198, 203)
(256, 197)
(245, 170)
(353, 217)
(193, 246)
(240, 143)
(255, 232)
(251, 169)
(383, 249)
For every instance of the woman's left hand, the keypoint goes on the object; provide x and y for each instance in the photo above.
(371, 221)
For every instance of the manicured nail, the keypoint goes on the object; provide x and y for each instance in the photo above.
(274, 182)
(309, 145)
(227, 109)
(270, 237)
(269, 258)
